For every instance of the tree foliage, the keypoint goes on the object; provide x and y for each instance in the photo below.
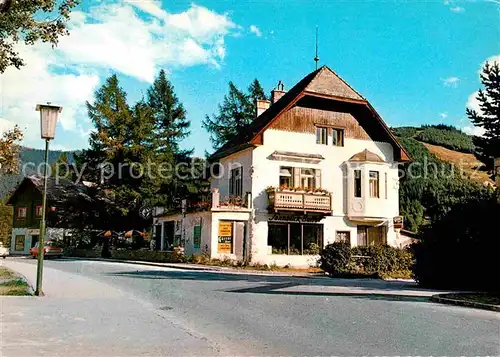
(460, 249)
(443, 135)
(488, 118)
(31, 21)
(9, 151)
(136, 149)
(235, 113)
(430, 187)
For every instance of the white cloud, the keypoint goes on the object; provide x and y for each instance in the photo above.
(443, 115)
(473, 130)
(451, 82)
(254, 29)
(134, 38)
(473, 103)
(490, 60)
(457, 9)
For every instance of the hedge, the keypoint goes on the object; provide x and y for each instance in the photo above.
(340, 260)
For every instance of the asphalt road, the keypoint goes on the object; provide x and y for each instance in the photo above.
(266, 315)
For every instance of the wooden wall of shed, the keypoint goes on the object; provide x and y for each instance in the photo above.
(305, 120)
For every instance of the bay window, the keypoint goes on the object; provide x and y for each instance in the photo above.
(374, 184)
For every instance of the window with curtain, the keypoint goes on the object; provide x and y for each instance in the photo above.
(321, 135)
(374, 184)
(337, 137)
(286, 177)
(307, 178)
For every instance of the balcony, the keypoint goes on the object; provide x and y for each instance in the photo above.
(299, 201)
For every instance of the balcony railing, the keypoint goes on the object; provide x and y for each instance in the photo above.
(299, 201)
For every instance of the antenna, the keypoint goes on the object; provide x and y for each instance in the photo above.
(316, 59)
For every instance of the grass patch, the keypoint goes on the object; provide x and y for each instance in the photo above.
(11, 284)
(485, 298)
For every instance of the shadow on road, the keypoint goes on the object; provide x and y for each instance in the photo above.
(384, 290)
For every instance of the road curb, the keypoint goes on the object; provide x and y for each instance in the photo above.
(201, 268)
(442, 299)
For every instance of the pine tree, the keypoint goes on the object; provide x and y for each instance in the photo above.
(234, 115)
(116, 147)
(171, 124)
(488, 146)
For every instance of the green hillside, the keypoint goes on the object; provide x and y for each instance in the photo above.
(444, 135)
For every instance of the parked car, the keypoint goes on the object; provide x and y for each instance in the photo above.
(4, 251)
(50, 249)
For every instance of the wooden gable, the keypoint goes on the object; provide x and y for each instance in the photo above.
(329, 83)
(305, 120)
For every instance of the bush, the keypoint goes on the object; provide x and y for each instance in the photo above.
(460, 250)
(335, 259)
(386, 261)
(339, 259)
(149, 256)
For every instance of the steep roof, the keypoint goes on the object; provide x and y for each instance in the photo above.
(58, 190)
(323, 82)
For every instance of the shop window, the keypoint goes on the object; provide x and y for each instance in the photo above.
(22, 212)
(278, 238)
(337, 137)
(312, 238)
(343, 237)
(374, 184)
(19, 243)
(321, 135)
(236, 182)
(357, 183)
(295, 238)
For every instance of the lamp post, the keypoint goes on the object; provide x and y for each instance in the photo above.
(48, 122)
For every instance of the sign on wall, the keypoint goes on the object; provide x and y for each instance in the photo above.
(295, 218)
(197, 237)
(225, 237)
(398, 222)
(33, 232)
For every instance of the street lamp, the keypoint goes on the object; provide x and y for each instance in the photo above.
(48, 122)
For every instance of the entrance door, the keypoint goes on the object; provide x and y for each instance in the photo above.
(239, 239)
(34, 240)
(168, 234)
(362, 236)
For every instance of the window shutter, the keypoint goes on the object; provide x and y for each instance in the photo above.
(317, 178)
(296, 177)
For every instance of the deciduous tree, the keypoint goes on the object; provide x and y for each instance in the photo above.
(31, 21)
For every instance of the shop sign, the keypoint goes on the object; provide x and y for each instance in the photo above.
(225, 237)
(33, 232)
(398, 222)
(295, 218)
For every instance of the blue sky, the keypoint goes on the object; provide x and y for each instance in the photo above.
(416, 62)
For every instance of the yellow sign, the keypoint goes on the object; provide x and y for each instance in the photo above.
(225, 240)
(225, 245)
(225, 229)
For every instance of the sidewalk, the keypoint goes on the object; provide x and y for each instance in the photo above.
(82, 317)
(206, 268)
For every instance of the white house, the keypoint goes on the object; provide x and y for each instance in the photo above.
(317, 165)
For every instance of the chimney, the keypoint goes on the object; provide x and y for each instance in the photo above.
(262, 105)
(278, 92)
